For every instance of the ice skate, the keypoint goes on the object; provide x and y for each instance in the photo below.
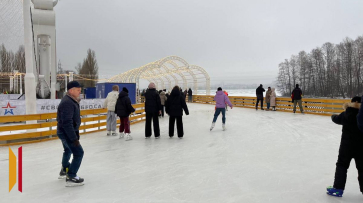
(224, 127)
(108, 133)
(113, 133)
(157, 137)
(211, 128)
(122, 135)
(334, 192)
(128, 137)
(76, 181)
(63, 173)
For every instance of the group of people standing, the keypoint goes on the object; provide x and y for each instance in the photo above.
(174, 105)
(118, 104)
(270, 98)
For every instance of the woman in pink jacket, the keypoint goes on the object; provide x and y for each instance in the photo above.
(221, 99)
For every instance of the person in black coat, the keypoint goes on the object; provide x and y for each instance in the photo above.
(123, 109)
(259, 95)
(190, 95)
(153, 110)
(296, 96)
(174, 107)
(351, 147)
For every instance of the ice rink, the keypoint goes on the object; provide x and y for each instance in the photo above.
(261, 157)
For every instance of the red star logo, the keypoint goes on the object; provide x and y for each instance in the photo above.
(9, 106)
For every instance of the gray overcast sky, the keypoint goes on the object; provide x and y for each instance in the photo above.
(235, 41)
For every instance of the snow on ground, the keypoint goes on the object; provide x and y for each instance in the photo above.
(262, 157)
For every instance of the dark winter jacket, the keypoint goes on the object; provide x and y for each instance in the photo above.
(190, 92)
(296, 94)
(152, 101)
(360, 118)
(259, 92)
(123, 106)
(69, 119)
(175, 104)
(349, 121)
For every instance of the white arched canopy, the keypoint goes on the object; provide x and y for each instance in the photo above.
(168, 71)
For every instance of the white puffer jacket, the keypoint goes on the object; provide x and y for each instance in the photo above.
(110, 101)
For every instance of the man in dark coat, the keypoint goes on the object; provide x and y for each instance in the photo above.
(123, 110)
(153, 110)
(296, 96)
(69, 120)
(350, 147)
(259, 94)
(174, 107)
(190, 95)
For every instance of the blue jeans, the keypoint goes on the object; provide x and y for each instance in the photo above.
(216, 114)
(69, 149)
(268, 105)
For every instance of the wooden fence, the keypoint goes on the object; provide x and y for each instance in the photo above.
(14, 131)
(324, 107)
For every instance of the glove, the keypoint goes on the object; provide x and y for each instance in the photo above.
(76, 143)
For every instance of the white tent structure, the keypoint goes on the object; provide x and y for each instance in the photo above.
(168, 72)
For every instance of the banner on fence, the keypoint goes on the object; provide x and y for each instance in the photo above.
(17, 107)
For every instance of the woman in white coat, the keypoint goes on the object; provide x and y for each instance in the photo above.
(110, 103)
(273, 99)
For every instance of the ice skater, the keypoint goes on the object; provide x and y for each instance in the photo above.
(350, 147)
(153, 110)
(174, 107)
(259, 95)
(268, 98)
(123, 110)
(110, 103)
(220, 99)
(273, 99)
(163, 99)
(69, 120)
(296, 97)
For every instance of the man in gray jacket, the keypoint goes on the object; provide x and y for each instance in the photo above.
(110, 103)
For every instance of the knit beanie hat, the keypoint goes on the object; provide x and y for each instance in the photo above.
(356, 99)
(125, 90)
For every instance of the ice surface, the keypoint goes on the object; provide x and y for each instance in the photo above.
(261, 157)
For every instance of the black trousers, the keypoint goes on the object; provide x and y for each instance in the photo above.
(258, 100)
(348, 151)
(162, 110)
(155, 118)
(179, 125)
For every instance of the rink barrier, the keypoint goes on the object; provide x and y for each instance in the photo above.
(325, 107)
(44, 127)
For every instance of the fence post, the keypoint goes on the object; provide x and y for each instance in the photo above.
(99, 121)
(50, 128)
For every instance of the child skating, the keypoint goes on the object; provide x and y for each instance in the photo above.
(351, 147)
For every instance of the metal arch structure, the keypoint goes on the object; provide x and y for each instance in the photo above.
(168, 71)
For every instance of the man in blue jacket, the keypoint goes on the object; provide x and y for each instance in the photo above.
(69, 120)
